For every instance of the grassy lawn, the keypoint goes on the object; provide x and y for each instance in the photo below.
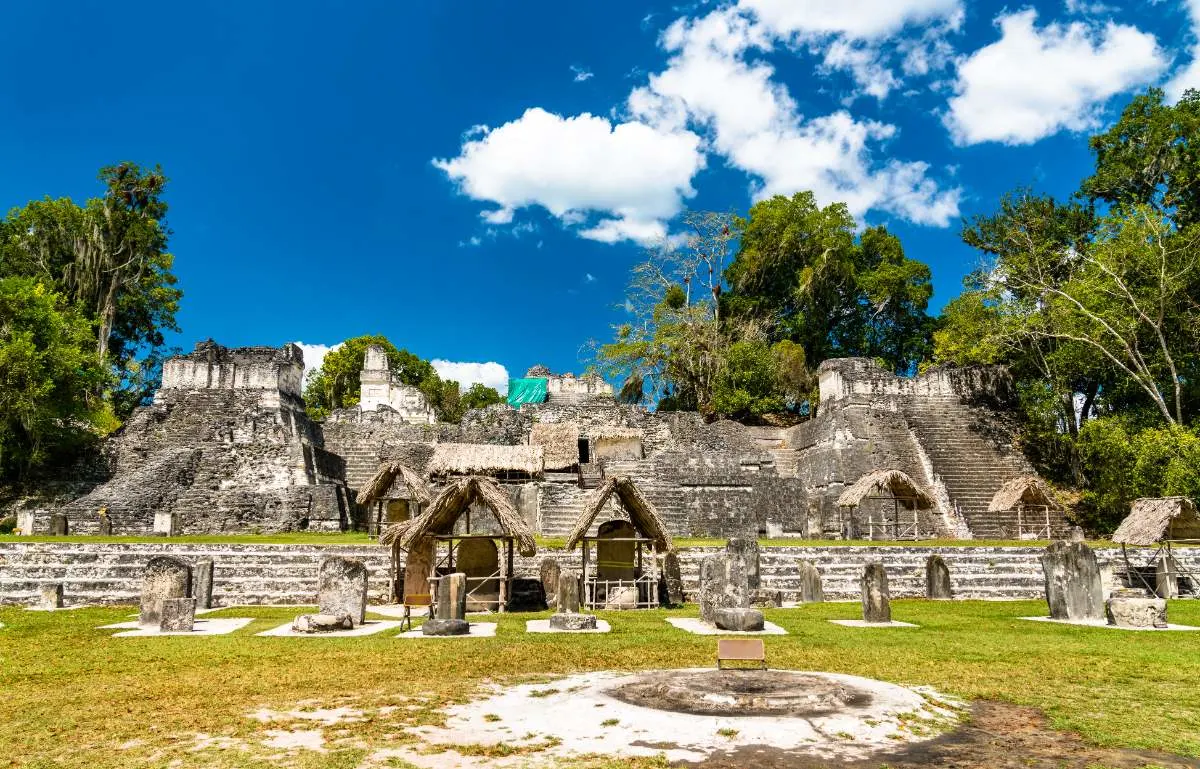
(72, 696)
(360, 538)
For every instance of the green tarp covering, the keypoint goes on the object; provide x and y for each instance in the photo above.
(531, 390)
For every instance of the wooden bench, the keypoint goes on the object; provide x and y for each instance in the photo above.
(742, 650)
(414, 601)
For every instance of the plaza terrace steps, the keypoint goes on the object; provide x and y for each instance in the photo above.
(104, 573)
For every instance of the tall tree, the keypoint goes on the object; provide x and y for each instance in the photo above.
(802, 273)
(109, 259)
(48, 374)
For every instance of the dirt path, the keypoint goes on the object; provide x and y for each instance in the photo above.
(999, 736)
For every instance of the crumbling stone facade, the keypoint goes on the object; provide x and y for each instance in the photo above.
(227, 445)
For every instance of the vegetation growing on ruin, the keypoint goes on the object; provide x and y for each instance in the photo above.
(74, 696)
(336, 385)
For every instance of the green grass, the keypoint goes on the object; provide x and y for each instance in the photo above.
(71, 696)
(360, 538)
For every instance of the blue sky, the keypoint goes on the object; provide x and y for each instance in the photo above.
(475, 179)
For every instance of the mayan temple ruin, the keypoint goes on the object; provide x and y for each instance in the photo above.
(227, 446)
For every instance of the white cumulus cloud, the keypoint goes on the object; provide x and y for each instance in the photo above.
(466, 374)
(852, 19)
(1034, 82)
(711, 82)
(314, 354)
(1188, 75)
(634, 175)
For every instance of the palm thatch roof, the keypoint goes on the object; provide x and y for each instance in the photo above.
(1025, 490)
(396, 531)
(485, 459)
(877, 482)
(559, 442)
(1153, 520)
(642, 514)
(454, 500)
(386, 476)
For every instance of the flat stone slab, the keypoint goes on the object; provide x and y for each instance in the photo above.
(370, 627)
(697, 626)
(478, 630)
(864, 623)
(56, 608)
(216, 626)
(1102, 623)
(543, 626)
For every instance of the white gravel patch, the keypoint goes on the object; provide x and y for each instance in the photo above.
(476, 630)
(202, 627)
(370, 627)
(864, 623)
(698, 626)
(312, 739)
(543, 626)
(569, 715)
(1102, 623)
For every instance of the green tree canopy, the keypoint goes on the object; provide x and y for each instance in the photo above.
(48, 376)
(803, 274)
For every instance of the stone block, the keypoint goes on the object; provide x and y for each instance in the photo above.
(564, 621)
(165, 577)
(1073, 587)
(166, 524)
(623, 597)
(25, 521)
(568, 591)
(740, 620)
(766, 599)
(106, 528)
(548, 572)
(451, 597)
(746, 548)
(322, 623)
(876, 599)
(673, 577)
(51, 596)
(1139, 611)
(202, 583)
(1075, 534)
(445, 627)
(937, 579)
(1166, 576)
(178, 615)
(58, 525)
(723, 585)
(342, 588)
(774, 530)
(811, 590)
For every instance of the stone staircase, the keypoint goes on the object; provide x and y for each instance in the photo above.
(559, 507)
(971, 465)
(660, 488)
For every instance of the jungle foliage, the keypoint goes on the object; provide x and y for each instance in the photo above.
(88, 293)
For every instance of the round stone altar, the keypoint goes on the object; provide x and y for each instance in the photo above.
(742, 693)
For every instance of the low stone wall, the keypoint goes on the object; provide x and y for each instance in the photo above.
(102, 573)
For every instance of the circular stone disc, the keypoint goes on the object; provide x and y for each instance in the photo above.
(741, 693)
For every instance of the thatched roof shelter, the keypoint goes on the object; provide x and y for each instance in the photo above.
(485, 459)
(454, 500)
(1026, 490)
(875, 483)
(386, 477)
(642, 514)
(1153, 520)
(559, 442)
